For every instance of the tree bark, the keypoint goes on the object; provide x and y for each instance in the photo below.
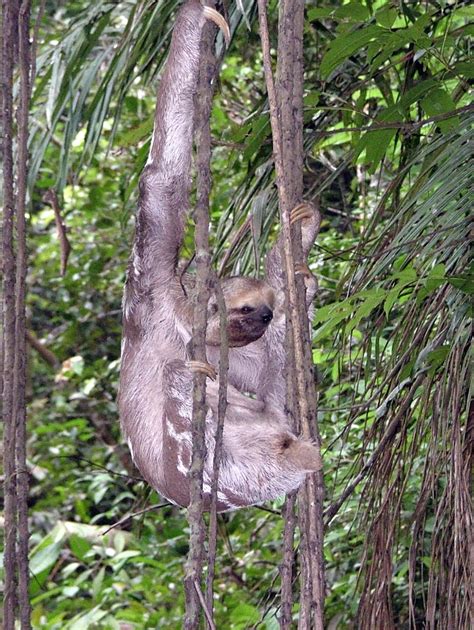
(286, 116)
(20, 327)
(203, 103)
(15, 55)
(9, 39)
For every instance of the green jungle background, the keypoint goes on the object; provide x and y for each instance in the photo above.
(392, 167)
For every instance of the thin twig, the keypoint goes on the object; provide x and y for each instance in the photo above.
(235, 241)
(128, 517)
(51, 197)
(100, 466)
(202, 601)
(387, 437)
(408, 127)
(288, 561)
(34, 43)
(221, 409)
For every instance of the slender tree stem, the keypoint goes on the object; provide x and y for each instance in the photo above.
(286, 121)
(203, 104)
(20, 326)
(9, 43)
(15, 52)
(221, 409)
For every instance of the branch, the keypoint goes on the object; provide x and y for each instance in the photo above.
(221, 409)
(51, 198)
(287, 127)
(9, 41)
(207, 612)
(202, 104)
(34, 43)
(45, 353)
(131, 515)
(408, 127)
(235, 241)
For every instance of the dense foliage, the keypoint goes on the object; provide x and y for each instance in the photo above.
(391, 333)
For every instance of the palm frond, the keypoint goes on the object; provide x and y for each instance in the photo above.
(410, 295)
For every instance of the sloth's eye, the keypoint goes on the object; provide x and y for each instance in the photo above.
(246, 309)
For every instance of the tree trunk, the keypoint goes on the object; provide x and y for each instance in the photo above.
(285, 98)
(15, 57)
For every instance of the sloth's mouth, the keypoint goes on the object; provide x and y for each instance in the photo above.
(245, 331)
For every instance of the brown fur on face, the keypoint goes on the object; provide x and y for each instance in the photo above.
(249, 304)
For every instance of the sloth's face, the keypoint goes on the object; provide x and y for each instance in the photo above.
(250, 304)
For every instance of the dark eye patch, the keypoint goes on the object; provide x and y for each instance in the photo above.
(246, 309)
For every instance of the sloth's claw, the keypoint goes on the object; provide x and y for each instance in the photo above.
(201, 367)
(301, 212)
(219, 21)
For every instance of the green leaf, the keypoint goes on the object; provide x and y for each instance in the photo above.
(436, 358)
(433, 280)
(373, 299)
(260, 131)
(87, 620)
(463, 283)
(416, 93)
(386, 16)
(353, 11)
(332, 315)
(345, 45)
(465, 68)
(406, 275)
(377, 144)
(244, 615)
(332, 311)
(88, 386)
(120, 559)
(316, 13)
(45, 558)
(437, 102)
(79, 546)
(97, 582)
(391, 299)
(119, 541)
(75, 365)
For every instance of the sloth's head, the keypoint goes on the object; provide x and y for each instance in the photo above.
(249, 303)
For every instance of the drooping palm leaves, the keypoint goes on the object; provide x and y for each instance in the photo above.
(84, 76)
(412, 284)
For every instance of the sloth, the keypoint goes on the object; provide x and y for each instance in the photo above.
(262, 458)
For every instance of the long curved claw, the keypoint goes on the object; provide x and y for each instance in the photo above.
(219, 21)
(201, 367)
(302, 211)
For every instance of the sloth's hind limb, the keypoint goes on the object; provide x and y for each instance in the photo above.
(262, 459)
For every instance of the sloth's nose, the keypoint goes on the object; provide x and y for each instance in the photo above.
(267, 315)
